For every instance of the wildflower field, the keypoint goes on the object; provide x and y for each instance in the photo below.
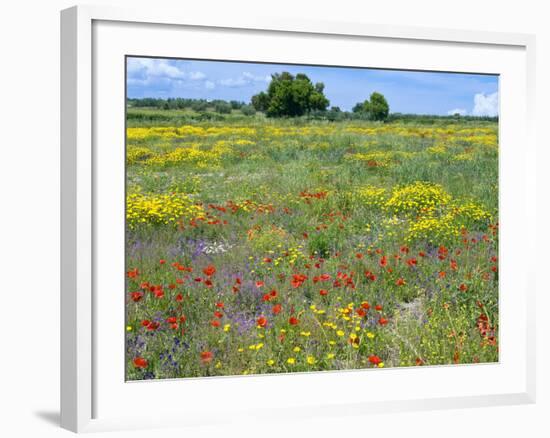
(259, 245)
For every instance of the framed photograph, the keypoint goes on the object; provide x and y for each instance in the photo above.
(329, 218)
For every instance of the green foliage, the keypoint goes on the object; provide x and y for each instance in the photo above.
(223, 107)
(376, 108)
(290, 96)
(236, 104)
(199, 106)
(260, 101)
(248, 110)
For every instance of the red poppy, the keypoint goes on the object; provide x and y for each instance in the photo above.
(206, 356)
(133, 273)
(159, 293)
(378, 307)
(259, 283)
(370, 275)
(208, 282)
(179, 280)
(266, 297)
(293, 320)
(400, 282)
(151, 325)
(412, 262)
(136, 296)
(323, 292)
(145, 322)
(404, 249)
(262, 321)
(276, 309)
(298, 280)
(456, 357)
(442, 274)
(365, 305)
(359, 255)
(220, 305)
(218, 315)
(162, 261)
(383, 261)
(183, 318)
(171, 320)
(361, 312)
(375, 360)
(209, 270)
(382, 321)
(140, 362)
(463, 287)
(324, 277)
(171, 286)
(267, 260)
(179, 298)
(215, 323)
(422, 254)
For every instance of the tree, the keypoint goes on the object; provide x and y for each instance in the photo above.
(235, 104)
(248, 110)
(291, 96)
(358, 107)
(222, 107)
(260, 102)
(376, 108)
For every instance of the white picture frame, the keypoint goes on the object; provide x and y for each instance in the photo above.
(82, 191)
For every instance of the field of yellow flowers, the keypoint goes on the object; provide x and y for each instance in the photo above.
(268, 246)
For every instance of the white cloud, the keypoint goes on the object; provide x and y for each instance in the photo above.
(460, 111)
(196, 75)
(209, 85)
(253, 78)
(246, 78)
(485, 104)
(149, 71)
(234, 82)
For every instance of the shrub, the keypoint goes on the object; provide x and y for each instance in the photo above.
(222, 108)
(248, 110)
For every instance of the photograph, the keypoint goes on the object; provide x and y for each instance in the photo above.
(287, 218)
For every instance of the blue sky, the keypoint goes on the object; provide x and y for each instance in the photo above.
(406, 91)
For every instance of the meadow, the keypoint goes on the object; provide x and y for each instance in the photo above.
(259, 245)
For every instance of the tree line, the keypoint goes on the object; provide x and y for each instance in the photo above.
(199, 105)
(290, 95)
(287, 95)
